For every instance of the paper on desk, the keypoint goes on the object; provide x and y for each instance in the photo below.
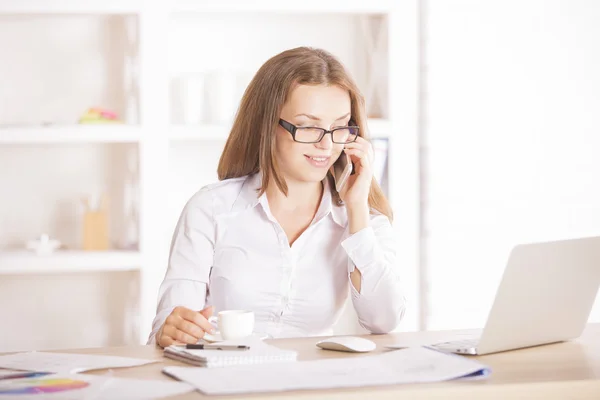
(413, 365)
(65, 362)
(88, 387)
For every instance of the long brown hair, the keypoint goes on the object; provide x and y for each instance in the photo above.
(250, 147)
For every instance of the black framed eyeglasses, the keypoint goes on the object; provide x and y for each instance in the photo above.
(341, 135)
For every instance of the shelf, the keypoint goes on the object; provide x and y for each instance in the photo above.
(186, 6)
(26, 262)
(71, 134)
(71, 7)
(199, 132)
(133, 134)
(379, 128)
(278, 6)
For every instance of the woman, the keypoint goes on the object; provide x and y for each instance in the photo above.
(274, 236)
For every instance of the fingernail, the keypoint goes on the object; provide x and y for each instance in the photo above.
(212, 331)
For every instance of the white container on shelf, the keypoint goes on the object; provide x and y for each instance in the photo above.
(187, 99)
(43, 245)
(221, 96)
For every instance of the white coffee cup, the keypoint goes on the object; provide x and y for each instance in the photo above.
(232, 324)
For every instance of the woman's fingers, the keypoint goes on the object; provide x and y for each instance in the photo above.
(164, 341)
(183, 326)
(361, 144)
(190, 328)
(361, 156)
(196, 318)
(171, 332)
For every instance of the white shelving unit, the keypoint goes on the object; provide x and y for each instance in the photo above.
(270, 6)
(155, 134)
(199, 132)
(197, 6)
(379, 129)
(71, 134)
(32, 7)
(25, 262)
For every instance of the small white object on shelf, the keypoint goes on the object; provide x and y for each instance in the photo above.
(43, 245)
(19, 262)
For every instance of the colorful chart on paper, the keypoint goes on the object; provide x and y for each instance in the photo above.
(40, 386)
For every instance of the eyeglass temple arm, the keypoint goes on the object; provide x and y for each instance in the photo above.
(289, 127)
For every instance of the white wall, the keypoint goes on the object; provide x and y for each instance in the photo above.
(511, 141)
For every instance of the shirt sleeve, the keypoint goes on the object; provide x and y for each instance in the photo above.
(190, 261)
(380, 305)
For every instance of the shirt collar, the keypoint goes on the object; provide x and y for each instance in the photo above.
(249, 198)
(327, 206)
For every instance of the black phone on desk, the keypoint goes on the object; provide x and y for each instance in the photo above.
(341, 171)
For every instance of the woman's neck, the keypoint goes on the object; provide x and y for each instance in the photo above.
(301, 197)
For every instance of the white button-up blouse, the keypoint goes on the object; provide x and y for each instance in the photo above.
(230, 252)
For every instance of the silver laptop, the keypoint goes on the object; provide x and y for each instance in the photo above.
(546, 295)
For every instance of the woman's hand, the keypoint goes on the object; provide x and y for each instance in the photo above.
(184, 326)
(355, 193)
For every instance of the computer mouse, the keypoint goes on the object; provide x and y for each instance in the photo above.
(351, 344)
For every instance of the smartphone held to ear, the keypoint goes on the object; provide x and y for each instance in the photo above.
(341, 171)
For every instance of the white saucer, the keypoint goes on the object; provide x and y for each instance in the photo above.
(217, 337)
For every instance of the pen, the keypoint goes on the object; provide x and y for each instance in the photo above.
(216, 347)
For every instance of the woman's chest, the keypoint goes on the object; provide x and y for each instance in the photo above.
(253, 263)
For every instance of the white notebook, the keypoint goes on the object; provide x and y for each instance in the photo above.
(259, 353)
